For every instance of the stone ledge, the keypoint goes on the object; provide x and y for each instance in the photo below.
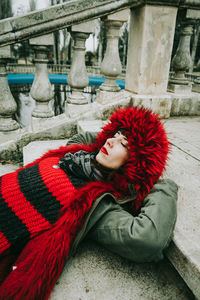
(36, 149)
(183, 168)
(95, 273)
(184, 254)
(185, 105)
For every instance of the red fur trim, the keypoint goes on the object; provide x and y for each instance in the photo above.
(148, 148)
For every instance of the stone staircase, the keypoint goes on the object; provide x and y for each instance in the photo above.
(95, 273)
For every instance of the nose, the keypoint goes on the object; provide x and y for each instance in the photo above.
(110, 142)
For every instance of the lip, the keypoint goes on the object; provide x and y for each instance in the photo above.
(103, 149)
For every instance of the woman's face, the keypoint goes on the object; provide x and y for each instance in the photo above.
(114, 153)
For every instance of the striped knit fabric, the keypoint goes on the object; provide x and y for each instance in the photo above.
(31, 200)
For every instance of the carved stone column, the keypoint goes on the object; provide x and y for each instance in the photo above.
(182, 60)
(41, 90)
(78, 77)
(8, 105)
(111, 65)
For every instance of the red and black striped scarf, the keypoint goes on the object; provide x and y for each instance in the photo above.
(30, 202)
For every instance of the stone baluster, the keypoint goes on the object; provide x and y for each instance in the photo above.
(8, 105)
(111, 66)
(41, 90)
(78, 77)
(182, 60)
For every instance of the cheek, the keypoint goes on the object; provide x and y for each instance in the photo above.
(124, 155)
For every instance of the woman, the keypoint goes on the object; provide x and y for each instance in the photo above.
(45, 204)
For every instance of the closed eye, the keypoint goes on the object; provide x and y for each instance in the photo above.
(124, 142)
(124, 145)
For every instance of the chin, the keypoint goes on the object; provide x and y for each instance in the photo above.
(99, 158)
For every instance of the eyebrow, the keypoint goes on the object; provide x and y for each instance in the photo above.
(122, 133)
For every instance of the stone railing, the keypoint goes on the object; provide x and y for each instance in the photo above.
(30, 68)
(52, 69)
(152, 27)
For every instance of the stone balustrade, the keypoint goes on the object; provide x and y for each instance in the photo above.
(151, 35)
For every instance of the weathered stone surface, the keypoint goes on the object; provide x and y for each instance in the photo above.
(122, 15)
(92, 126)
(196, 88)
(77, 110)
(41, 90)
(78, 78)
(44, 40)
(8, 105)
(150, 45)
(5, 51)
(36, 149)
(87, 27)
(160, 104)
(57, 17)
(179, 89)
(108, 101)
(111, 65)
(193, 14)
(183, 167)
(7, 168)
(95, 273)
(188, 105)
(104, 97)
(182, 60)
(58, 127)
(73, 12)
(196, 85)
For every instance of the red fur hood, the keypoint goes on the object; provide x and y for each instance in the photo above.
(148, 147)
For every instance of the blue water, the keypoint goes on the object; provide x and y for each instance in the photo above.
(57, 79)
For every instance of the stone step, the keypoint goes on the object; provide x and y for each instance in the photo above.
(184, 251)
(97, 274)
(36, 149)
(184, 169)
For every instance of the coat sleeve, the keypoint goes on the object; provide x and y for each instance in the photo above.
(82, 138)
(144, 237)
